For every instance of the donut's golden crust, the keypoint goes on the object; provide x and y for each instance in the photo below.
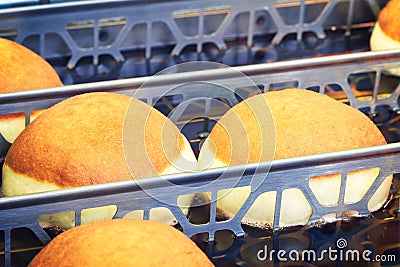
(318, 124)
(389, 19)
(78, 142)
(121, 242)
(22, 69)
(306, 123)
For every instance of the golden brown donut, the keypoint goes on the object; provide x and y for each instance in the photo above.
(22, 69)
(386, 34)
(79, 142)
(303, 123)
(119, 242)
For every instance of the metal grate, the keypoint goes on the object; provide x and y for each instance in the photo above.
(103, 40)
(24, 211)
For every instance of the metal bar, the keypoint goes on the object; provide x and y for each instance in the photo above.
(200, 177)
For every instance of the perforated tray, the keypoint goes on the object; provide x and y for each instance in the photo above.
(105, 41)
(24, 211)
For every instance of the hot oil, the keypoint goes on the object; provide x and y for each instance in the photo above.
(352, 241)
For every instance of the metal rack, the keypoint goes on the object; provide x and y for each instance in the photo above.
(105, 40)
(93, 44)
(24, 211)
